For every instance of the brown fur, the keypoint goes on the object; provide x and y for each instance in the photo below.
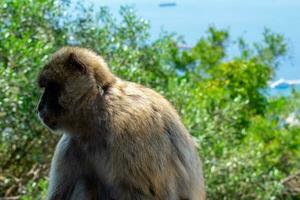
(121, 140)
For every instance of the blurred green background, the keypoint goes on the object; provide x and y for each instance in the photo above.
(249, 147)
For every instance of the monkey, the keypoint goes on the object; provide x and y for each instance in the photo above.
(120, 140)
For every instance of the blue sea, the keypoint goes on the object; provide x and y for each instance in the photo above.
(191, 18)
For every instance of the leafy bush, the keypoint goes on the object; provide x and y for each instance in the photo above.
(246, 147)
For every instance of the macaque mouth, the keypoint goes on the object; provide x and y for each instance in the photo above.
(48, 121)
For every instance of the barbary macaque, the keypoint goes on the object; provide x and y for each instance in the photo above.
(120, 140)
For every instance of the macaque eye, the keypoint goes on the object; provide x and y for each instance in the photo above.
(53, 87)
(42, 86)
(42, 82)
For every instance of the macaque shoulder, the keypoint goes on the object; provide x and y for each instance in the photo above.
(135, 108)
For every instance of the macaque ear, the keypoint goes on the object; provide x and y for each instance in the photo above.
(76, 63)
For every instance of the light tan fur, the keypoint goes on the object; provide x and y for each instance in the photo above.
(121, 140)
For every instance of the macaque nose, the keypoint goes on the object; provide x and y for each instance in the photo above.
(39, 108)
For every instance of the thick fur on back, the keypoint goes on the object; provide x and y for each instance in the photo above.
(119, 136)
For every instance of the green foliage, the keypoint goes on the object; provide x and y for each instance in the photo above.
(36, 190)
(246, 147)
(26, 40)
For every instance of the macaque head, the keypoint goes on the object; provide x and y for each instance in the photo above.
(71, 80)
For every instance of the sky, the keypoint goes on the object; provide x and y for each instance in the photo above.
(191, 18)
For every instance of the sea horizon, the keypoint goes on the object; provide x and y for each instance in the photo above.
(190, 19)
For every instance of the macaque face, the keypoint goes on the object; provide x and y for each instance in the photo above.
(66, 83)
(49, 109)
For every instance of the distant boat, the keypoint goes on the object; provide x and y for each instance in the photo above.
(282, 83)
(170, 4)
